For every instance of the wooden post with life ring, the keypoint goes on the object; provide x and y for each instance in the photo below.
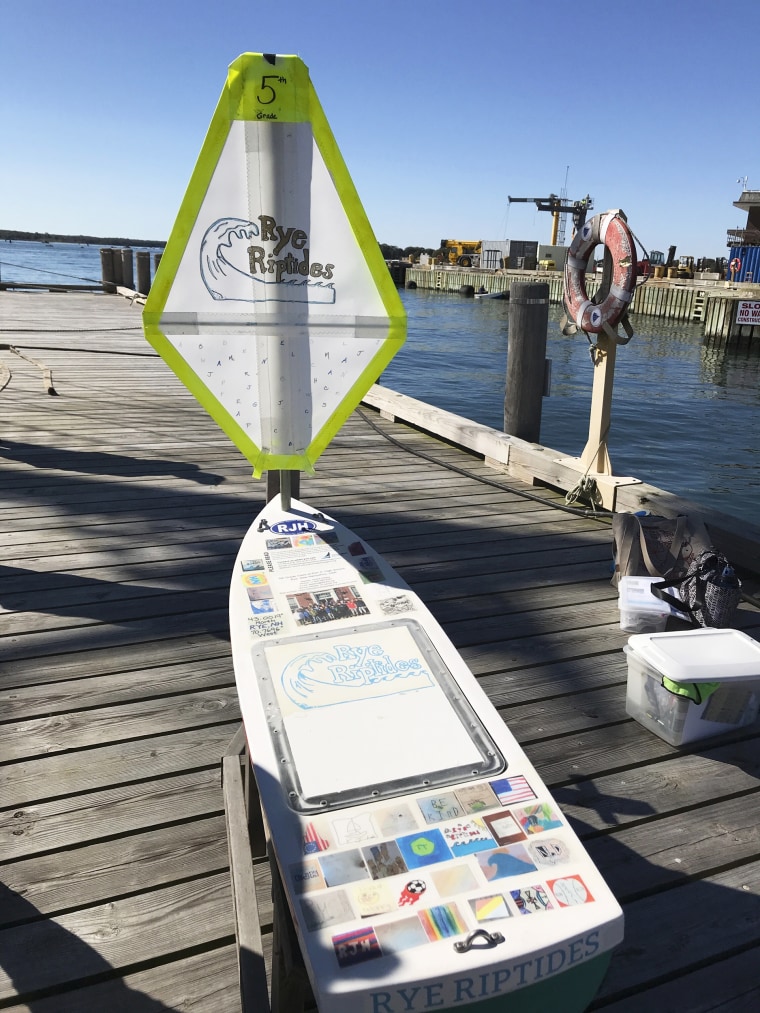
(600, 317)
(735, 267)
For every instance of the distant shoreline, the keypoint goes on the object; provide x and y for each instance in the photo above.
(52, 237)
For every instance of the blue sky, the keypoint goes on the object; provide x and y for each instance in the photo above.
(441, 110)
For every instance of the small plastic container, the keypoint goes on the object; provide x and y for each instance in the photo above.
(640, 611)
(728, 657)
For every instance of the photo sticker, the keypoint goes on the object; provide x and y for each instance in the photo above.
(249, 565)
(342, 867)
(278, 543)
(383, 860)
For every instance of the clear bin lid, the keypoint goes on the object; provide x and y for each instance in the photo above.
(704, 655)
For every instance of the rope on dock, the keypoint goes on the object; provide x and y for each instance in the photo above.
(47, 374)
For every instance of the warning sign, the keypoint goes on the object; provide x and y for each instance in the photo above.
(748, 313)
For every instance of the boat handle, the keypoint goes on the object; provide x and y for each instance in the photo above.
(489, 939)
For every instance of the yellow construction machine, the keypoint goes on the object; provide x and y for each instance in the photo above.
(463, 252)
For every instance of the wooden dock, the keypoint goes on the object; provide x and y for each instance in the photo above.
(122, 509)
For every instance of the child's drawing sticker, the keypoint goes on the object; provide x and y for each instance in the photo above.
(412, 892)
(424, 848)
(313, 841)
(327, 908)
(475, 798)
(401, 935)
(442, 922)
(452, 879)
(531, 900)
(491, 908)
(549, 851)
(353, 829)
(437, 808)
(396, 819)
(535, 819)
(466, 837)
(570, 891)
(356, 947)
(504, 827)
(375, 898)
(501, 863)
(306, 876)
(513, 790)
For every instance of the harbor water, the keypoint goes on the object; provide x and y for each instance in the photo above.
(685, 416)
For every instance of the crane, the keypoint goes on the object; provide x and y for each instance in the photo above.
(558, 206)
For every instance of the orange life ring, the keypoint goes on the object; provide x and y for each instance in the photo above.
(610, 230)
(735, 265)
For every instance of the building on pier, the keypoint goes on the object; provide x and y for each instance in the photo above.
(745, 243)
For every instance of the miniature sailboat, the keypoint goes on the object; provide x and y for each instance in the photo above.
(424, 862)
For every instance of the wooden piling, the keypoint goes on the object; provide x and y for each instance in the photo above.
(526, 359)
(106, 270)
(142, 259)
(127, 268)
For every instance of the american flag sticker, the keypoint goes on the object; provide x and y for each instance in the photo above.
(313, 842)
(512, 790)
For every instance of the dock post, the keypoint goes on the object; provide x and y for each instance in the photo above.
(118, 268)
(142, 260)
(127, 268)
(595, 456)
(106, 270)
(526, 359)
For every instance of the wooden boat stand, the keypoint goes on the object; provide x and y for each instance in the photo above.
(248, 838)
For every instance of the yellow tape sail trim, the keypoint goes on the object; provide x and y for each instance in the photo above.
(277, 88)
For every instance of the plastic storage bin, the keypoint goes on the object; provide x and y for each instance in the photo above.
(693, 657)
(640, 611)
